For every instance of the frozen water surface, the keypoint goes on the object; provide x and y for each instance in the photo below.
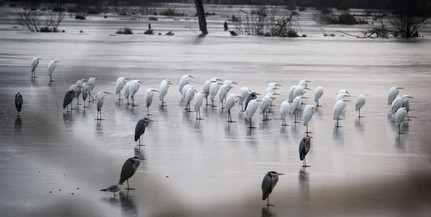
(53, 163)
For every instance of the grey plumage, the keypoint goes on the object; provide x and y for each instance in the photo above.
(250, 97)
(304, 147)
(18, 102)
(68, 97)
(112, 188)
(128, 170)
(140, 128)
(268, 183)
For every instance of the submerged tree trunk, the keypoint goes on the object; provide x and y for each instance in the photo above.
(201, 16)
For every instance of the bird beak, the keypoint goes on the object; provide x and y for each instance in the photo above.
(304, 97)
(346, 100)
(410, 97)
(140, 82)
(307, 88)
(169, 82)
(278, 85)
(276, 94)
(107, 92)
(218, 79)
(400, 87)
(257, 93)
(191, 76)
(234, 82)
(154, 90)
(308, 81)
(280, 174)
(258, 100)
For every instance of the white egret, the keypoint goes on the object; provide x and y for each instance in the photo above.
(318, 93)
(360, 101)
(199, 98)
(78, 89)
(304, 147)
(86, 88)
(121, 81)
(51, 66)
(113, 188)
(273, 85)
(303, 83)
(396, 104)
(343, 91)
(68, 97)
(250, 110)
(163, 90)
(284, 110)
(222, 94)
(243, 93)
(92, 83)
(338, 110)
(392, 93)
(214, 87)
(230, 102)
(206, 87)
(190, 93)
(300, 91)
(140, 129)
(148, 98)
(184, 91)
(33, 65)
(296, 106)
(128, 170)
(268, 183)
(406, 104)
(229, 84)
(291, 93)
(400, 115)
(265, 106)
(185, 79)
(18, 102)
(127, 90)
(100, 98)
(133, 89)
(307, 115)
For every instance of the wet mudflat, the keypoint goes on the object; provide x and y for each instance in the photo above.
(54, 163)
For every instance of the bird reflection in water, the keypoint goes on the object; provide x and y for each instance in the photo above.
(266, 212)
(18, 122)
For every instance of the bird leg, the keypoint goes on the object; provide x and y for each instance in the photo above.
(267, 203)
(304, 163)
(50, 78)
(128, 188)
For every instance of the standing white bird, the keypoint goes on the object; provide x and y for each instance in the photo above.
(206, 87)
(133, 89)
(148, 98)
(34, 63)
(284, 110)
(338, 110)
(163, 90)
(396, 104)
(121, 81)
(250, 110)
(295, 107)
(400, 115)
(190, 94)
(299, 91)
(360, 101)
(392, 93)
(113, 188)
(214, 87)
(406, 104)
(307, 115)
(268, 183)
(318, 93)
(230, 102)
(51, 66)
(199, 98)
(184, 91)
(185, 79)
(222, 94)
(243, 93)
(291, 93)
(100, 98)
(92, 83)
(127, 90)
(265, 106)
(303, 83)
(78, 89)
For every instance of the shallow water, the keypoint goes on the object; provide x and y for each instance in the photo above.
(54, 163)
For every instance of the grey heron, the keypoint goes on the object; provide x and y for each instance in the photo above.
(252, 95)
(128, 170)
(18, 102)
(304, 147)
(113, 188)
(140, 129)
(68, 97)
(268, 183)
